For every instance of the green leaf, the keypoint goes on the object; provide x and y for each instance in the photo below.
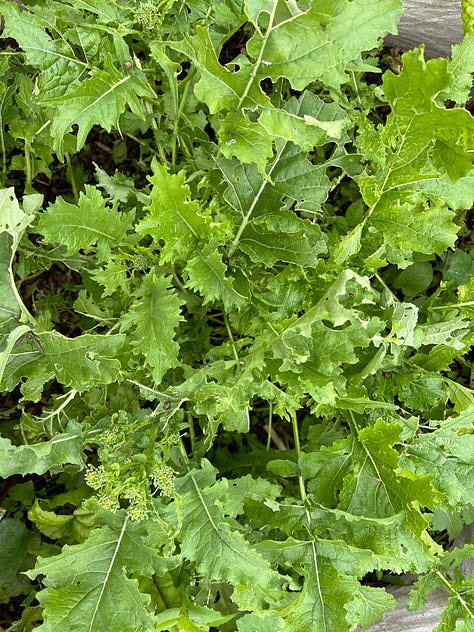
(217, 547)
(265, 621)
(172, 217)
(283, 237)
(8, 342)
(79, 363)
(461, 396)
(421, 392)
(374, 484)
(298, 180)
(331, 306)
(113, 276)
(151, 323)
(82, 362)
(348, 246)
(60, 68)
(40, 457)
(330, 586)
(369, 605)
(106, 11)
(99, 99)
(392, 493)
(207, 274)
(307, 121)
(15, 540)
(446, 456)
(89, 223)
(87, 586)
(118, 187)
(448, 332)
(415, 279)
(461, 67)
(422, 151)
(413, 226)
(380, 535)
(13, 220)
(432, 126)
(218, 87)
(13, 223)
(235, 91)
(222, 392)
(315, 44)
(193, 619)
(245, 140)
(74, 526)
(256, 200)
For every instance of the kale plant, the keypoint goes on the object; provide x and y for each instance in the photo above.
(236, 316)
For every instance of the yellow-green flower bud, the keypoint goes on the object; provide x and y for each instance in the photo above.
(467, 7)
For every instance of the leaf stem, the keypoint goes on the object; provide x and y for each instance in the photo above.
(110, 570)
(174, 139)
(453, 306)
(248, 215)
(455, 592)
(159, 591)
(231, 338)
(192, 433)
(270, 422)
(243, 96)
(178, 282)
(2, 137)
(355, 433)
(71, 177)
(151, 441)
(258, 63)
(147, 388)
(385, 286)
(70, 396)
(184, 454)
(28, 167)
(296, 436)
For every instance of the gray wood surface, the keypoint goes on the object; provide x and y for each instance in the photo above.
(435, 23)
(401, 620)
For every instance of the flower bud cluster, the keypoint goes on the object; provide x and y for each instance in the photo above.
(467, 7)
(130, 471)
(140, 262)
(148, 15)
(162, 477)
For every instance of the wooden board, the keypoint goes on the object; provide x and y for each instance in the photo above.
(435, 23)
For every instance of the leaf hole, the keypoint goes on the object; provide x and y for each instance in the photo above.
(235, 46)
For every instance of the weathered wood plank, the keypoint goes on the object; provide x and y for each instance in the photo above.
(435, 23)
(401, 620)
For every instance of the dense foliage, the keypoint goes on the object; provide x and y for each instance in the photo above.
(235, 350)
